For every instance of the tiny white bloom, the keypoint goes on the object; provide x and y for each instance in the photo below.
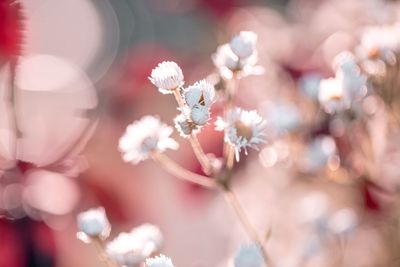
(200, 115)
(159, 261)
(309, 84)
(184, 125)
(343, 221)
(93, 223)
(249, 256)
(346, 62)
(244, 44)
(167, 76)
(242, 129)
(319, 152)
(201, 93)
(314, 209)
(332, 95)
(145, 136)
(131, 249)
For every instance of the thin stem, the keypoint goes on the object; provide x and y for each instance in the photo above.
(230, 157)
(99, 246)
(175, 169)
(232, 199)
(197, 149)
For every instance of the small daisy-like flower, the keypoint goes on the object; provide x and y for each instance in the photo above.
(167, 76)
(159, 261)
(93, 223)
(244, 44)
(131, 249)
(184, 125)
(144, 136)
(346, 62)
(242, 129)
(249, 256)
(332, 96)
(201, 93)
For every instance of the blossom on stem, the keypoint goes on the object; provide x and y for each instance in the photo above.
(132, 248)
(201, 93)
(159, 261)
(145, 136)
(93, 223)
(167, 76)
(242, 129)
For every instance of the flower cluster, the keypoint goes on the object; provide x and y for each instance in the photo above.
(128, 248)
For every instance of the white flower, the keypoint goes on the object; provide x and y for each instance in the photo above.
(309, 84)
(346, 62)
(201, 93)
(184, 125)
(249, 256)
(319, 152)
(244, 44)
(380, 42)
(145, 136)
(332, 95)
(131, 249)
(159, 261)
(200, 115)
(93, 223)
(167, 76)
(314, 210)
(243, 129)
(343, 221)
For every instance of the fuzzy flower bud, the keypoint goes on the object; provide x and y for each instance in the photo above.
(200, 115)
(201, 93)
(244, 44)
(93, 223)
(167, 76)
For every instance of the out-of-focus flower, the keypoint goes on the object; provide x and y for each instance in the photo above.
(239, 57)
(244, 44)
(380, 43)
(144, 136)
(309, 84)
(346, 62)
(201, 93)
(319, 152)
(249, 256)
(159, 261)
(281, 117)
(332, 96)
(343, 222)
(314, 210)
(242, 129)
(167, 76)
(131, 249)
(93, 223)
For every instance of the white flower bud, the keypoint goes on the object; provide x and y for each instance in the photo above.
(249, 256)
(201, 93)
(167, 76)
(200, 115)
(343, 221)
(94, 223)
(244, 44)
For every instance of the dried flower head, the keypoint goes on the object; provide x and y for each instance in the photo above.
(242, 129)
(93, 223)
(244, 44)
(131, 249)
(159, 261)
(167, 76)
(332, 95)
(144, 136)
(249, 256)
(201, 93)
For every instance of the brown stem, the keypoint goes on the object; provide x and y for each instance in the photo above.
(232, 199)
(175, 169)
(99, 246)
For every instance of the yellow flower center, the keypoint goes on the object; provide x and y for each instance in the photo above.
(243, 130)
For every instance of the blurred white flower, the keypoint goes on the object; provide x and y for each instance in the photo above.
(281, 116)
(319, 152)
(145, 136)
(346, 62)
(332, 96)
(184, 125)
(93, 223)
(314, 209)
(249, 256)
(242, 129)
(131, 249)
(159, 261)
(167, 76)
(343, 222)
(201, 93)
(309, 84)
(244, 44)
(380, 43)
